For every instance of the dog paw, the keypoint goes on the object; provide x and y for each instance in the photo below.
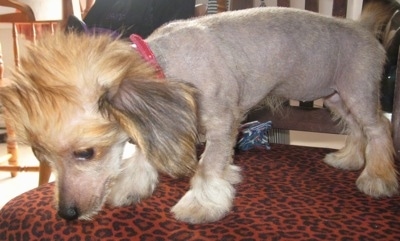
(129, 194)
(385, 186)
(133, 184)
(232, 174)
(345, 161)
(208, 203)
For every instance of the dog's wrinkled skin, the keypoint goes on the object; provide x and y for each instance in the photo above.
(78, 99)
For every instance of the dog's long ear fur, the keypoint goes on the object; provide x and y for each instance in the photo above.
(160, 117)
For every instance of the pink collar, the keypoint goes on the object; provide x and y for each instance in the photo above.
(141, 46)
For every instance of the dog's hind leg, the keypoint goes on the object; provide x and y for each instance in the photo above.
(211, 195)
(379, 177)
(367, 127)
(136, 180)
(352, 155)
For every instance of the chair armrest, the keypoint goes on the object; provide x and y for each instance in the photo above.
(36, 11)
(26, 16)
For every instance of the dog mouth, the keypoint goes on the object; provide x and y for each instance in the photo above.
(96, 204)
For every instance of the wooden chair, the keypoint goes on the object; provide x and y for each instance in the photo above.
(12, 147)
(28, 16)
(200, 10)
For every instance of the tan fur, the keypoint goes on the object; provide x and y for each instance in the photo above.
(56, 75)
(78, 99)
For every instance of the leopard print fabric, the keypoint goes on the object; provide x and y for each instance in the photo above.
(288, 193)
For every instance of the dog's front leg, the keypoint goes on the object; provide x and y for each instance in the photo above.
(211, 195)
(137, 180)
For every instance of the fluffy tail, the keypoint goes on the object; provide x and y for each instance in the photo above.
(376, 14)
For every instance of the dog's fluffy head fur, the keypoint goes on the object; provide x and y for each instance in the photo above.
(78, 99)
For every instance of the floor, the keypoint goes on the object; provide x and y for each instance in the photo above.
(24, 181)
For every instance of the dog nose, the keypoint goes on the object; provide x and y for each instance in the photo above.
(68, 213)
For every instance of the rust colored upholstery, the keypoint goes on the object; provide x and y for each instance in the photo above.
(288, 193)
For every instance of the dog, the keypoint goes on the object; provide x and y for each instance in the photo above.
(77, 99)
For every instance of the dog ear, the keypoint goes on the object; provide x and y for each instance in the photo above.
(160, 117)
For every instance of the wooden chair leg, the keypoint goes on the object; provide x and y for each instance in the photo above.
(12, 148)
(44, 173)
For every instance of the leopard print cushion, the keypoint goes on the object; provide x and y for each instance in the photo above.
(288, 193)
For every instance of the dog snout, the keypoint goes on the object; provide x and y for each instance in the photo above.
(68, 213)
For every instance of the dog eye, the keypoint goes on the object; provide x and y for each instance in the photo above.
(85, 154)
